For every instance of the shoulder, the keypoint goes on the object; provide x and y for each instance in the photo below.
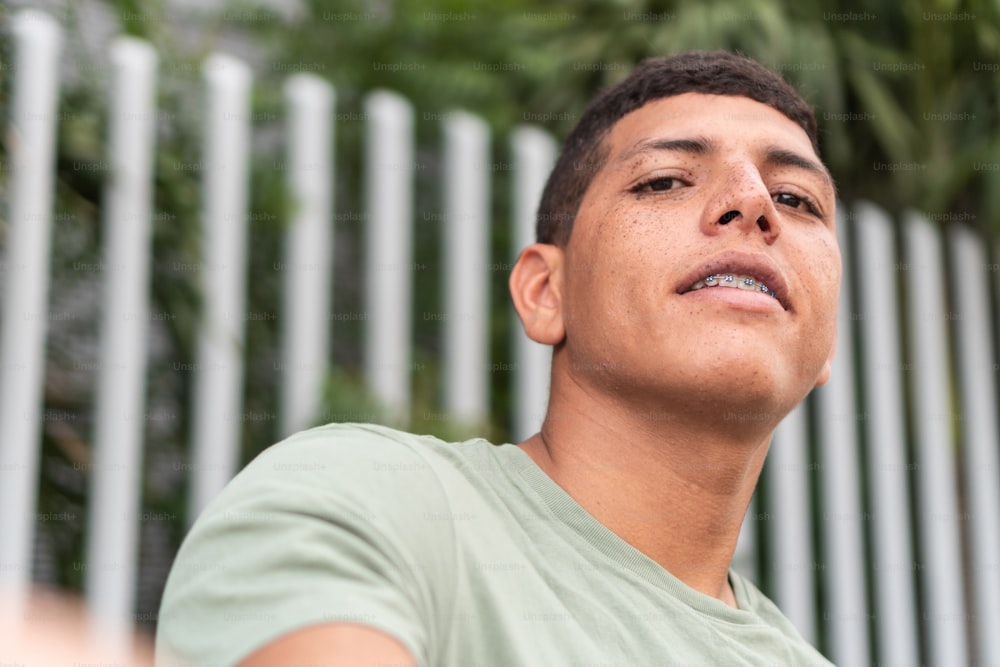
(360, 479)
(333, 447)
(327, 525)
(362, 463)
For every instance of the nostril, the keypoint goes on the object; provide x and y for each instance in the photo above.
(763, 224)
(728, 217)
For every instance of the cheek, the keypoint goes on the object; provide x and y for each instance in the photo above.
(820, 260)
(832, 274)
(608, 273)
(827, 268)
(830, 260)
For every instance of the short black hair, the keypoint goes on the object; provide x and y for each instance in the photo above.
(713, 72)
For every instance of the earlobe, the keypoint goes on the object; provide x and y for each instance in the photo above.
(536, 289)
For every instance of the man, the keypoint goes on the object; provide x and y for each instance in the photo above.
(686, 275)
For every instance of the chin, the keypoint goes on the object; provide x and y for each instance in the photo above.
(741, 390)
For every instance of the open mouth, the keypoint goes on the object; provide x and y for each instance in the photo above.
(735, 281)
(751, 272)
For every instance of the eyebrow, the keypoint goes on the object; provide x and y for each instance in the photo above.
(773, 155)
(694, 145)
(780, 157)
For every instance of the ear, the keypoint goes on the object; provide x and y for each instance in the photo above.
(824, 374)
(536, 289)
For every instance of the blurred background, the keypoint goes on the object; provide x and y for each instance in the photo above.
(906, 97)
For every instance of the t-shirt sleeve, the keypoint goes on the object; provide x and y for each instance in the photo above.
(327, 526)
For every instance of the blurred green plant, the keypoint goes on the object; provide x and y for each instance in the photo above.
(905, 93)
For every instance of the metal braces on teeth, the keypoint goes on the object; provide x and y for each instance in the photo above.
(713, 280)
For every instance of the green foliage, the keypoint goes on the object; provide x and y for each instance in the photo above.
(905, 92)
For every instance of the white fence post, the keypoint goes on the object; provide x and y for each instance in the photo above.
(977, 368)
(888, 470)
(937, 502)
(535, 154)
(789, 520)
(308, 262)
(844, 563)
(116, 477)
(219, 367)
(467, 252)
(389, 265)
(25, 298)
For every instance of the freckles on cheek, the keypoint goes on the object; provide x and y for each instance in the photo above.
(824, 260)
(642, 229)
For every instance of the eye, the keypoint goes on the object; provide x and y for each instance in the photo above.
(795, 201)
(659, 184)
(787, 199)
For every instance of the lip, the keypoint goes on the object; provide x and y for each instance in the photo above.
(731, 261)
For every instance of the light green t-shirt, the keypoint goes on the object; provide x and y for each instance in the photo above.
(467, 553)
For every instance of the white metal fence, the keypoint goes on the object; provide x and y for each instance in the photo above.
(878, 526)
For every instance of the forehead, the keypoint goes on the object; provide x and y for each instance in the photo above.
(729, 121)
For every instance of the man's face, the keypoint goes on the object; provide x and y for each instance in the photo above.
(695, 186)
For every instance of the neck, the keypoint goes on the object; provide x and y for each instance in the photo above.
(675, 485)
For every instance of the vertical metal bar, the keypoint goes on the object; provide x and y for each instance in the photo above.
(308, 262)
(944, 618)
(895, 599)
(843, 561)
(789, 525)
(389, 265)
(977, 366)
(116, 478)
(467, 206)
(219, 371)
(37, 40)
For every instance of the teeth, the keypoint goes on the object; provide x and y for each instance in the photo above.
(733, 280)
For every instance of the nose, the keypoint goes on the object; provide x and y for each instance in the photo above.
(741, 202)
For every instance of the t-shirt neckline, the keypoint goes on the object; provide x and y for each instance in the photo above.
(603, 539)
